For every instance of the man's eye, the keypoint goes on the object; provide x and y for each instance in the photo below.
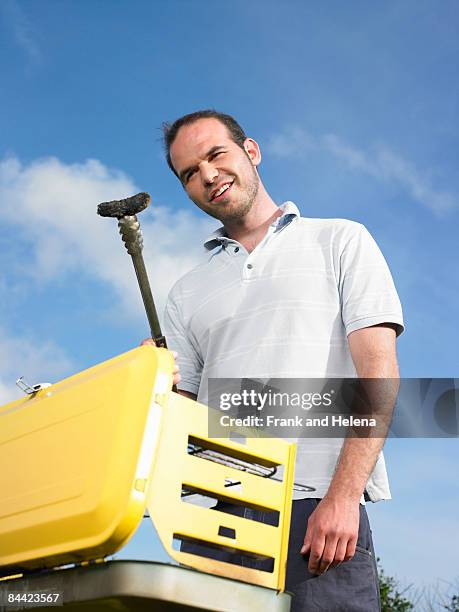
(189, 175)
(214, 155)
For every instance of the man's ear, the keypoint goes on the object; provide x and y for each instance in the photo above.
(253, 151)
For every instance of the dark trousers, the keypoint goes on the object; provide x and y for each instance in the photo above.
(351, 587)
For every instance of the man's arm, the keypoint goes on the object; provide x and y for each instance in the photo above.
(176, 371)
(332, 529)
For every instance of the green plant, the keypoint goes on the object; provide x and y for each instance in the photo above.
(392, 600)
(453, 605)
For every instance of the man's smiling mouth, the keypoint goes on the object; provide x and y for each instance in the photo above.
(218, 194)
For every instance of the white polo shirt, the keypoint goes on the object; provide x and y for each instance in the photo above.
(284, 311)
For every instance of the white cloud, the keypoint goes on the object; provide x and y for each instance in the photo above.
(53, 205)
(37, 361)
(381, 163)
(23, 30)
(292, 141)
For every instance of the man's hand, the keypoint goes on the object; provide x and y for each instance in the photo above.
(331, 534)
(176, 379)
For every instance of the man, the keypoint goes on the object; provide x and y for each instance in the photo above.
(284, 296)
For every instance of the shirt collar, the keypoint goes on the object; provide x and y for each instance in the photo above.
(289, 212)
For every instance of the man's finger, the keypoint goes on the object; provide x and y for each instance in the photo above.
(328, 555)
(350, 549)
(315, 554)
(147, 342)
(340, 553)
(305, 549)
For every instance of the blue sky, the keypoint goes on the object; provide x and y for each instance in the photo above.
(355, 107)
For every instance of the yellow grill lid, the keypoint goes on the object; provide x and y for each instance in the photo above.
(75, 461)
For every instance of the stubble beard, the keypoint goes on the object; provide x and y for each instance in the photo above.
(235, 211)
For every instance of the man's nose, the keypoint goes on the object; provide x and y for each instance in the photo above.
(209, 173)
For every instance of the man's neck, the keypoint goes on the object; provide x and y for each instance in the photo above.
(251, 230)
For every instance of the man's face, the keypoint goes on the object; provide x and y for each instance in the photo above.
(218, 176)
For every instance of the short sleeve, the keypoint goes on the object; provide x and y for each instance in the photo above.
(367, 291)
(177, 340)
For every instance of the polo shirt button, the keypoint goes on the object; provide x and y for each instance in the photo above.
(249, 266)
(236, 249)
